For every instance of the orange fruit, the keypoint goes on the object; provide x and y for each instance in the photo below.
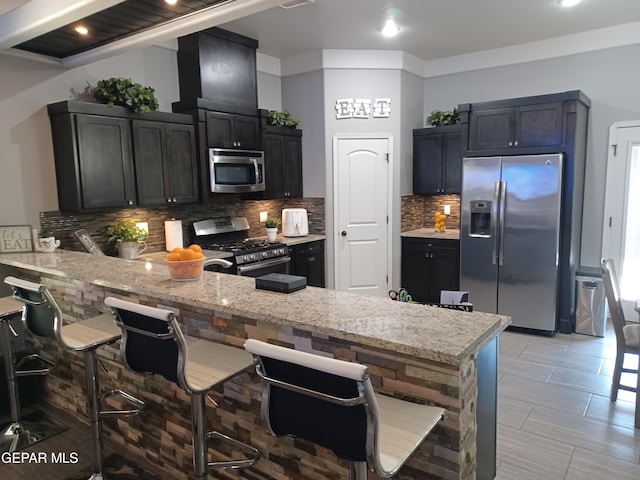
(199, 255)
(173, 257)
(177, 250)
(195, 248)
(187, 254)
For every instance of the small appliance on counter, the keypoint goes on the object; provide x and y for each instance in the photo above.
(295, 222)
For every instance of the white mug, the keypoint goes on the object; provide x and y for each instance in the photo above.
(47, 244)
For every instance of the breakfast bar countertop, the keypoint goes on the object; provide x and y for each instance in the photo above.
(431, 333)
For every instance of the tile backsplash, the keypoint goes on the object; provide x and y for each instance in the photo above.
(418, 211)
(64, 224)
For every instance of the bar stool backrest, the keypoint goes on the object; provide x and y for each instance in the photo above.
(151, 340)
(42, 315)
(327, 401)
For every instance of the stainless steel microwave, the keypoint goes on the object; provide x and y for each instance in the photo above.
(236, 171)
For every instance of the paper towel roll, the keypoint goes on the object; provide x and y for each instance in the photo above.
(173, 234)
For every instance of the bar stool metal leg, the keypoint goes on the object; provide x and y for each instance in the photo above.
(93, 408)
(19, 434)
(358, 471)
(201, 464)
(199, 437)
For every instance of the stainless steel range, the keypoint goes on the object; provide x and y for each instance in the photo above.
(251, 257)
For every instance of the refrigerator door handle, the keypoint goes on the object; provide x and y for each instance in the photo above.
(503, 195)
(494, 222)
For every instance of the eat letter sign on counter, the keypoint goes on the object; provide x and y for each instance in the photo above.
(15, 238)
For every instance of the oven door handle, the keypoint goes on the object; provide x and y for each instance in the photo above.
(258, 265)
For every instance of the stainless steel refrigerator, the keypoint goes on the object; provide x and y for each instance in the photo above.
(510, 237)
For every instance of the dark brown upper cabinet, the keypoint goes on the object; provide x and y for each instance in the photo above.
(103, 161)
(227, 130)
(166, 162)
(437, 160)
(520, 125)
(517, 127)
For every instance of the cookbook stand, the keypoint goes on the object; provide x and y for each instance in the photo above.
(87, 242)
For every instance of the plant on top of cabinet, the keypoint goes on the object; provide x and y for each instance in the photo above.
(123, 92)
(438, 118)
(282, 119)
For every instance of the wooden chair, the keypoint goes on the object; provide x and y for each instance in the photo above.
(627, 333)
(332, 403)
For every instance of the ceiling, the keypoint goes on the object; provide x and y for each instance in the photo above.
(430, 29)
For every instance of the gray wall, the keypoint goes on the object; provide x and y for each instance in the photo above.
(411, 106)
(371, 83)
(269, 91)
(303, 96)
(608, 77)
(27, 183)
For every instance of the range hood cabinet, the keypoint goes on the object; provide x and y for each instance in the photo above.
(218, 68)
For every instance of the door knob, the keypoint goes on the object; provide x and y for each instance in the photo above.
(343, 233)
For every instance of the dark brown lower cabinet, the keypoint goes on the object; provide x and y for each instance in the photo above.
(429, 266)
(307, 260)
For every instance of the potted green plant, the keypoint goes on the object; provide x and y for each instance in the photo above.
(123, 92)
(128, 237)
(272, 228)
(443, 117)
(282, 119)
(46, 241)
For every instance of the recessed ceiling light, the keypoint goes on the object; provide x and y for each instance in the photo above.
(82, 30)
(390, 28)
(568, 3)
(171, 2)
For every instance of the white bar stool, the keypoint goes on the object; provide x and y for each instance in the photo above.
(332, 403)
(43, 317)
(152, 342)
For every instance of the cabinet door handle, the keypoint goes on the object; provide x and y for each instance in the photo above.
(511, 144)
(515, 143)
(343, 233)
(130, 202)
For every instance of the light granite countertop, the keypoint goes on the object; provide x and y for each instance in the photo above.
(433, 333)
(431, 233)
(290, 241)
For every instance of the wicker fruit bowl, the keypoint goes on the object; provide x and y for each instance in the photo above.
(185, 270)
(186, 263)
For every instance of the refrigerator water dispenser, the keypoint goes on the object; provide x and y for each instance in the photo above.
(480, 211)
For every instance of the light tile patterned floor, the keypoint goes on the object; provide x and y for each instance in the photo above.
(555, 420)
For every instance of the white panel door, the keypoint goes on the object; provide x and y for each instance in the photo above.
(361, 215)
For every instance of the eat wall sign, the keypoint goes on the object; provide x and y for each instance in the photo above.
(363, 108)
